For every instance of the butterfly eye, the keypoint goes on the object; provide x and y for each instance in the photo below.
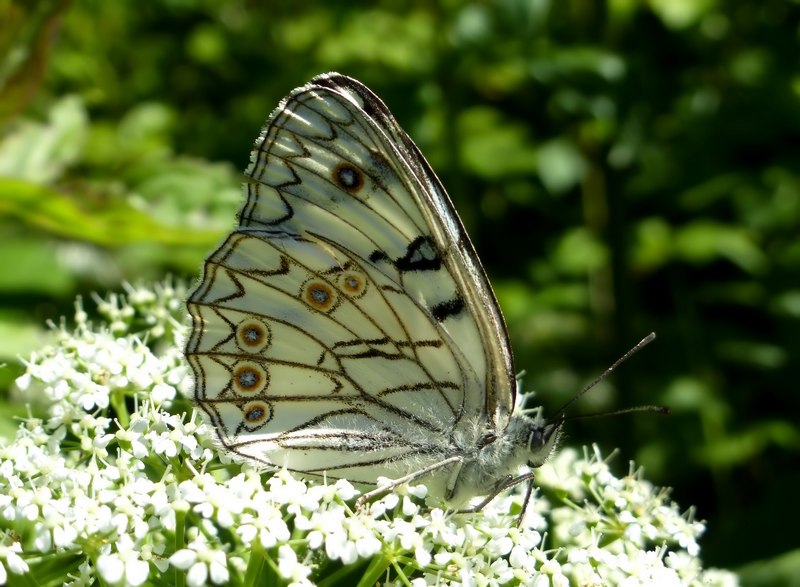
(348, 177)
(353, 283)
(256, 413)
(249, 378)
(319, 295)
(252, 335)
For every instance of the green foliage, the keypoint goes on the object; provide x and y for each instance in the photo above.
(622, 167)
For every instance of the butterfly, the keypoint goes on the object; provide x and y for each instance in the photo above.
(347, 328)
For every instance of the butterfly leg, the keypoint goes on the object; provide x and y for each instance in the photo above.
(384, 489)
(504, 484)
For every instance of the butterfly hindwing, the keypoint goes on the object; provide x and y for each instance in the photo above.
(347, 325)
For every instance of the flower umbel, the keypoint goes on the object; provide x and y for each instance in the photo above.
(118, 482)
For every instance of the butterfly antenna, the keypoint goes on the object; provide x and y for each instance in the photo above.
(635, 349)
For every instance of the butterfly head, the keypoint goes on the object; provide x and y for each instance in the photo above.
(542, 438)
(533, 436)
(529, 439)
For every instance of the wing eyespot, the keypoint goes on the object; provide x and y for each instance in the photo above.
(348, 177)
(319, 295)
(252, 335)
(249, 378)
(353, 283)
(256, 413)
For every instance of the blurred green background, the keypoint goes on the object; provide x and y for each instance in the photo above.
(622, 166)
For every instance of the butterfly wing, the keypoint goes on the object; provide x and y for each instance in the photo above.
(347, 325)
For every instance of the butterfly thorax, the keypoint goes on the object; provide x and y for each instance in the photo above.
(526, 441)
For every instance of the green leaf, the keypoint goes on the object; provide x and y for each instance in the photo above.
(703, 241)
(101, 221)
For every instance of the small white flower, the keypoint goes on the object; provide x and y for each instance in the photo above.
(345, 490)
(422, 556)
(338, 547)
(123, 566)
(9, 559)
(162, 392)
(289, 567)
(262, 520)
(203, 563)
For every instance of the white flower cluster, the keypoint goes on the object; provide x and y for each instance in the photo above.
(113, 486)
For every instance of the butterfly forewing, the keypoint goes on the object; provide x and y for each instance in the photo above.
(347, 325)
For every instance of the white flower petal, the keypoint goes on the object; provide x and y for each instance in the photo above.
(136, 572)
(183, 559)
(197, 575)
(219, 573)
(110, 567)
